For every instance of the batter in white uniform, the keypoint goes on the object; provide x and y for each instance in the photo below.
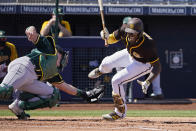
(139, 58)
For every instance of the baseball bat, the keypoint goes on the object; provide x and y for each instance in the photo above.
(102, 18)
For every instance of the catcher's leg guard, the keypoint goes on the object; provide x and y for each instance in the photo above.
(5, 91)
(39, 102)
(118, 102)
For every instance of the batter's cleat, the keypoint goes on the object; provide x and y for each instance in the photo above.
(111, 117)
(95, 73)
(157, 96)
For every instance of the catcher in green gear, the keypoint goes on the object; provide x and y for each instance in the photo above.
(36, 77)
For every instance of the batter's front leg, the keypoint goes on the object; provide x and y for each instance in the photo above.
(118, 59)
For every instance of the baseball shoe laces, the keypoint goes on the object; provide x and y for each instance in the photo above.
(95, 73)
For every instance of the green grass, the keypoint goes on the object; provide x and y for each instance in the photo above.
(130, 113)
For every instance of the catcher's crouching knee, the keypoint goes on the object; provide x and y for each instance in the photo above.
(30, 104)
(5, 91)
(118, 102)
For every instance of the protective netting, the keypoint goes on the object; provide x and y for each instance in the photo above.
(87, 59)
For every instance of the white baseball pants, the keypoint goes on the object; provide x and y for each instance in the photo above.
(133, 70)
(21, 76)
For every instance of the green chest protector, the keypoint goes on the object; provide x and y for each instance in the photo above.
(48, 66)
(45, 64)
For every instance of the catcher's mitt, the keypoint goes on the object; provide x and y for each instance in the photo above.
(95, 94)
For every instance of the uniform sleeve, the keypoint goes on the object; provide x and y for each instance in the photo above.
(153, 52)
(14, 53)
(46, 45)
(67, 25)
(44, 25)
(112, 39)
(56, 79)
(155, 57)
(118, 34)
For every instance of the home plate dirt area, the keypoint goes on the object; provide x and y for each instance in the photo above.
(97, 124)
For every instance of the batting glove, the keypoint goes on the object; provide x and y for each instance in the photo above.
(104, 34)
(145, 85)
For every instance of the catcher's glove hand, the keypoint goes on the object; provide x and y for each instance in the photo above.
(95, 94)
(145, 85)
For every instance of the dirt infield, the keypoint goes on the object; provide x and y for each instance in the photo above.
(97, 124)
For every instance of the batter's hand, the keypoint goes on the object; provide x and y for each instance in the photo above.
(145, 85)
(104, 34)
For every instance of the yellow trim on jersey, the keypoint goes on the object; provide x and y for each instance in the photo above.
(147, 35)
(154, 61)
(54, 44)
(14, 53)
(54, 75)
(37, 40)
(47, 54)
(60, 77)
(40, 68)
(57, 74)
(136, 45)
(112, 39)
(57, 82)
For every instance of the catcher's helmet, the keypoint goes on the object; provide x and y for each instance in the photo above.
(135, 25)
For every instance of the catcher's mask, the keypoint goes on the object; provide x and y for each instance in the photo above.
(64, 58)
(134, 29)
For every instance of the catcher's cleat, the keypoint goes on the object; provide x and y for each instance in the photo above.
(111, 117)
(18, 111)
(95, 73)
(23, 116)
